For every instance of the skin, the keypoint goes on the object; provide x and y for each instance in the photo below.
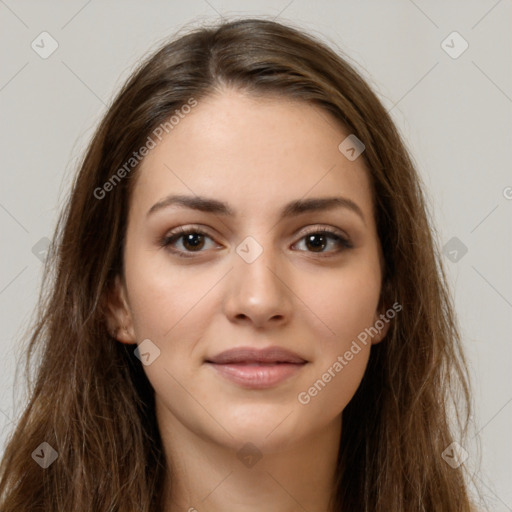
(256, 154)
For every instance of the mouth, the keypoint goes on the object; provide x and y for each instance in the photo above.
(257, 369)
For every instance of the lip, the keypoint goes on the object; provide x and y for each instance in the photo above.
(257, 368)
(249, 355)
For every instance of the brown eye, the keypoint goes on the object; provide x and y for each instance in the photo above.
(193, 241)
(317, 242)
(185, 242)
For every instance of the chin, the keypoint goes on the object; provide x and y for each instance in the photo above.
(269, 427)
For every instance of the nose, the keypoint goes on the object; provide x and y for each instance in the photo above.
(258, 292)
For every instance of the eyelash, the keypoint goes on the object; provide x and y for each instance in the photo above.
(180, 232)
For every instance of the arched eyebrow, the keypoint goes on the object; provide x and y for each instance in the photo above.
(297, 207)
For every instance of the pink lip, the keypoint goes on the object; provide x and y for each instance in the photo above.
(257, 369)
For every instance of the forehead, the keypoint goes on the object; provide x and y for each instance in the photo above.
(253, 152)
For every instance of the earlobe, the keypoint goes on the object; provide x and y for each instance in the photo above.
(381, 324)
(381, 321)
(118, 315)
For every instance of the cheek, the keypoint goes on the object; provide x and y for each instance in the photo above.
(346, 301)
(347, 308)
(165, 302)
(331, 390)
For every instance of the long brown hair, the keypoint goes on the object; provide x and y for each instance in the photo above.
(91, 401)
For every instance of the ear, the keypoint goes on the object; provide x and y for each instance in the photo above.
(381, 323)
(381, 320)
(118, 315)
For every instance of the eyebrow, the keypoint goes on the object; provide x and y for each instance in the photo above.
(300, 206)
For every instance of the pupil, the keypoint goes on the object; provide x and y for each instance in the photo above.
(319, 245)
(194, 240)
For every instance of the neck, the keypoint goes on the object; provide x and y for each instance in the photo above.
(207, 476)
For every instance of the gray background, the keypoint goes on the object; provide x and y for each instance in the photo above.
(454, 114)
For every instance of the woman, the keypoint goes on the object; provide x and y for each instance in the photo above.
(247, 309)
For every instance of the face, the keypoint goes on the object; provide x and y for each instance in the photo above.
(247, 261)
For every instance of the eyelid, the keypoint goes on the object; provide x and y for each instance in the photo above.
(324, 229)
(183, 230)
